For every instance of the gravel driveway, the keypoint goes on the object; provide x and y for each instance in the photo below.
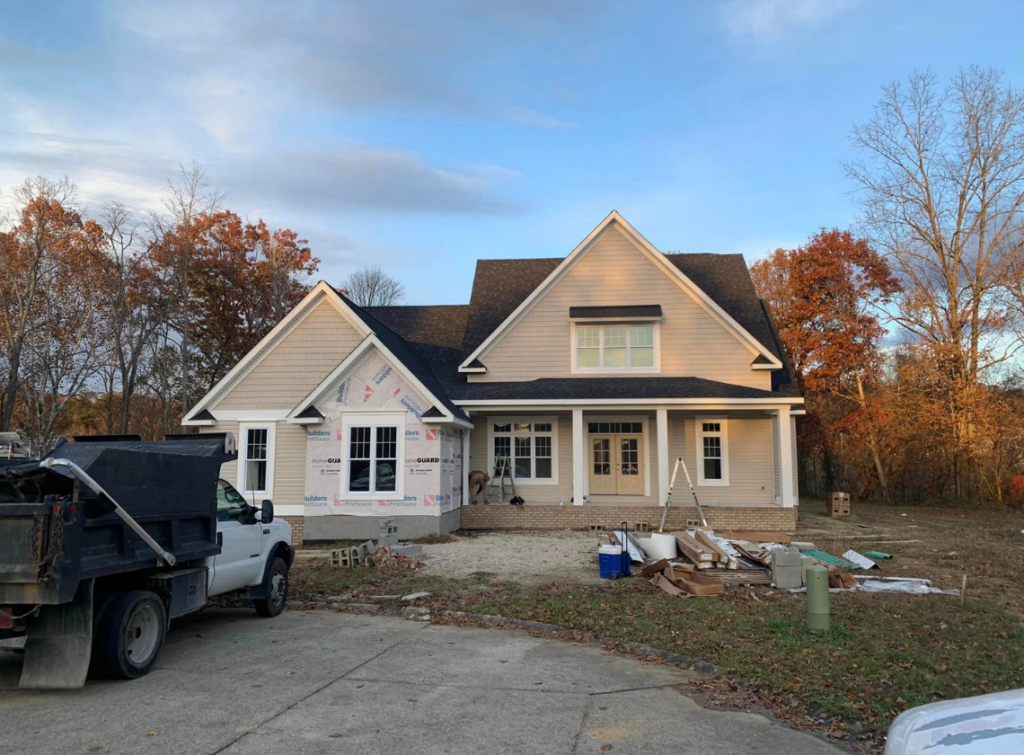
(535, 557)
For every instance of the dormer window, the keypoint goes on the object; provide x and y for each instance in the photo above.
(615, 347)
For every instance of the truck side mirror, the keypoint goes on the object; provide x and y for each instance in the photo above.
(268, 512)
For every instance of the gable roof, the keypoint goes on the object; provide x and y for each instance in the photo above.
(614, 219)
(318, 294)
(408, 356)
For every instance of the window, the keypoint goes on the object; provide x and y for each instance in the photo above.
(527, 448)
(615, 347)
(256, 460)
(712, 451)
(372, 458)
(230, 503)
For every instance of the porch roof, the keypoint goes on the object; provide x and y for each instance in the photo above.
(598, 389)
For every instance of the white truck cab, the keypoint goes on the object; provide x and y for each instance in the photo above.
(255, 552)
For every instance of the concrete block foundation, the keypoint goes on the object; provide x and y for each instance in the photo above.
(340, 527)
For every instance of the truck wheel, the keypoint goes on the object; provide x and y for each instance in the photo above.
(275, 584)
(129, 635)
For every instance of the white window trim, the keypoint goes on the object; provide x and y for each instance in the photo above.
(644, 420)
(243, 446)
(656, 368)
(505, 420)
(699, 434)
(377, 419)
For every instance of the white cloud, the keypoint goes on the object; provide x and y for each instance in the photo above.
(771, 20)
(527, 117)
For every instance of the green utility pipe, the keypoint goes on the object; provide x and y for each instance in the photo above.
(818, 619)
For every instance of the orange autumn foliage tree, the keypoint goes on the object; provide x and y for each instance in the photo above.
(243, 280)
(825, 298)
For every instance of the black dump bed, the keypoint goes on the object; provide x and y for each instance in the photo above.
(54, 531)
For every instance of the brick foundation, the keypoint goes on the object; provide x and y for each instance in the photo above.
(506, 517)
(298, 524)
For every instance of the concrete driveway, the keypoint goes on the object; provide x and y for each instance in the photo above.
(322, 682)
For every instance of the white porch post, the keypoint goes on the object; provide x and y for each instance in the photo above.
(662, 423)
(465, 466)
(786, 457)
(578, 457)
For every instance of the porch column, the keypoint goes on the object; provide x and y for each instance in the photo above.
(786, 456)
(662, 434)
(579, 456)
(466, 468)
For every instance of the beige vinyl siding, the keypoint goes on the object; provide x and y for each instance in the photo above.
(615, 272)
(290, 465)
(751, 474)
(289, 455)
(297, 364)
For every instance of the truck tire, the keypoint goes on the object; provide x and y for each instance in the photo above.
(275, 585)
(129, 635)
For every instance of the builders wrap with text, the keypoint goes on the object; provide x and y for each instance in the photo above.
(430, 456)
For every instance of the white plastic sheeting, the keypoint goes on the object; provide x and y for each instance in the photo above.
(432, 465)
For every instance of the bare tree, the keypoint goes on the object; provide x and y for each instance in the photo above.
(188, 198)
(942, 187)
(129, 309)
(372, 287)
(38, 225)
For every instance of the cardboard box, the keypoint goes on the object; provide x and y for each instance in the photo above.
(695, 583)
(838, 504)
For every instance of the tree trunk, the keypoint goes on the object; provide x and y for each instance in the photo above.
(876, 457)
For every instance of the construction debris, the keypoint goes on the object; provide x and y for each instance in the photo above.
(828, 560)
(878, 555)
(862, 561)
(758, 537)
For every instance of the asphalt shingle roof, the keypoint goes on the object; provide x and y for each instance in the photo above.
(432, 341)
(607, 388)
(628, 310)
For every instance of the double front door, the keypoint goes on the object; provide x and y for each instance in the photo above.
(616, 465)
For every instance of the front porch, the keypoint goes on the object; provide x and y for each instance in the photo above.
(618, 461)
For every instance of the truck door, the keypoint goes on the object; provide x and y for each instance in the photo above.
(239, 563)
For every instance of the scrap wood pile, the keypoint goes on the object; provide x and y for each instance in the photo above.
(701, 562)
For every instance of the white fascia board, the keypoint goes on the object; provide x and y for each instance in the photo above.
(473, 369)
(765, 367)
(447, 421)
(257, 353)
(306, 421)
(199, 422)
(723, 317)
(353, 358)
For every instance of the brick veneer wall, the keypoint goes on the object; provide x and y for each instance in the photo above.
(506, 517)
(298, 524)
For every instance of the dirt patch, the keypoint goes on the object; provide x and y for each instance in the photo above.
(527, 558)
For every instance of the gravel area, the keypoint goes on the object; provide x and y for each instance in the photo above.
(533, 557)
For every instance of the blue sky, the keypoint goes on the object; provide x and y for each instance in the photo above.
(426, 135)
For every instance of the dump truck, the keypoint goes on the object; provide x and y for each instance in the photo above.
(106, 539)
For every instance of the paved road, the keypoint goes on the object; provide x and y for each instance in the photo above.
(321, 682)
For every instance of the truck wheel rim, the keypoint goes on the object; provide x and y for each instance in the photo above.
(142, 635)
(278, 584)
